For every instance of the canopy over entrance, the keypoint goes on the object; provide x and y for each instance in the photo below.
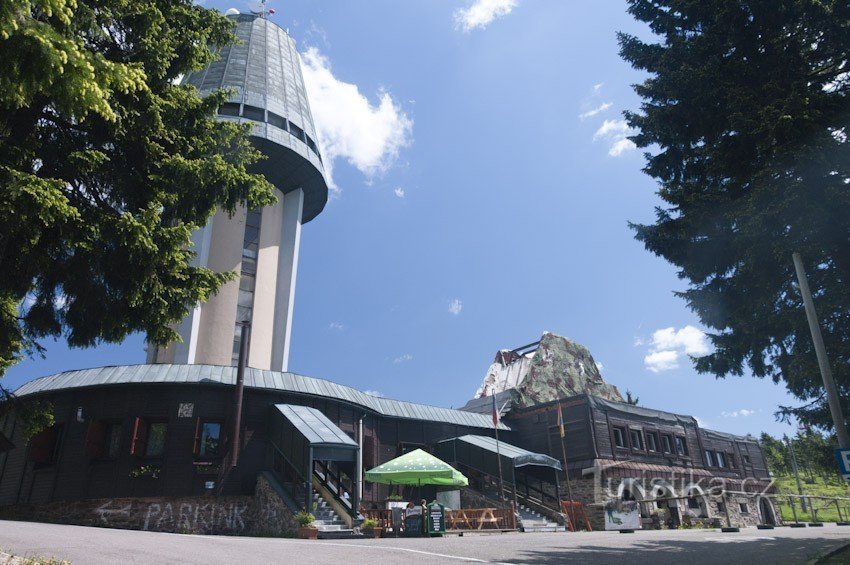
(301, 435)
(481, 452)
(416, 468)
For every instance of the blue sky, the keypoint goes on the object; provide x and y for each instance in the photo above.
(483, 189)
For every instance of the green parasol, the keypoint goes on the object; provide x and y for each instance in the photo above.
(416, 468)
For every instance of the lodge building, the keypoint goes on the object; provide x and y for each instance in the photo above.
(145, 432)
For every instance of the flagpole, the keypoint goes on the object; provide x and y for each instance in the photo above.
(498, 451)
(566, 468)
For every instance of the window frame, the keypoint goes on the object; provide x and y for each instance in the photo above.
(655, 440)
(669, 444)
(709, 458)
(720, 459)
(681, 444)
(623, 440)
(98, 439)
(140, 440)
(197, 447)
(44, 448)
(641, 442)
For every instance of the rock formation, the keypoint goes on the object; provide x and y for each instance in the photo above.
(558, 368)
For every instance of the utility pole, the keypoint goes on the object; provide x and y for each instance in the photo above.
(244, 340)
(796, 473)
(823, 361)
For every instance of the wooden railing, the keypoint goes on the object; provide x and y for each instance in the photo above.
(341, 488)
(463, 520)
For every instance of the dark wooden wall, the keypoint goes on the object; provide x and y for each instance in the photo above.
(74, 475)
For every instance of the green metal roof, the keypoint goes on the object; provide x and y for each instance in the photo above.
(254, 378)
(315, 426)
(520, 456)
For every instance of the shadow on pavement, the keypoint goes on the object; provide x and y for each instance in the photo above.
(686, 552)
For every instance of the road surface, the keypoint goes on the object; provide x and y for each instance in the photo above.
(82, 545)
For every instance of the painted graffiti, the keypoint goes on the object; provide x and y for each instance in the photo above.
(106, 511)
(196, 516)
(188, 516)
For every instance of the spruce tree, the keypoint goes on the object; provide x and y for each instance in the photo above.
(744, 120)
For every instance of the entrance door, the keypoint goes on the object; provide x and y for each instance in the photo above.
(766, 512)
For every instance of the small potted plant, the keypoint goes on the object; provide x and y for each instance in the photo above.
(306, 529)
(370, 526)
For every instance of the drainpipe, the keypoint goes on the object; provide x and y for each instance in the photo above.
(358, 488)
(240, 386)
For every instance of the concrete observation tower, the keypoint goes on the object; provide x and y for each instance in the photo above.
(264, 73)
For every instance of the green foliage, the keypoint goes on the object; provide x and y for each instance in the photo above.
(32, 415)
(744, 118)
(369, 524)
(305, 519)
(775, 454)
(146, 471)
(107, 165)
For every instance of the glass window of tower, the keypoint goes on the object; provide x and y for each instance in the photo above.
(247, 278)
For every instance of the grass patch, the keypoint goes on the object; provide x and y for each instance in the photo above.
(826, 510)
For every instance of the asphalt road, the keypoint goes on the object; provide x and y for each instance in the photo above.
(82, 545)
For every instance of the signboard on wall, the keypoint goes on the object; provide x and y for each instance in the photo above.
(843, 456)
(622, 515)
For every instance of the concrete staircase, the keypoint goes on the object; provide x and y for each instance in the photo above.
(531, 521)
(328, 523)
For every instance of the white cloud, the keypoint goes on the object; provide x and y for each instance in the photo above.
(349, 126)
(377, 393)
(669, 344)
(594, 111)
(338, 326)
(621, 146)
(600, 366)
(690, 340)
(661, 361)
(399, 191)
(743, 413)
(615, 132)
(482, 13)
(455, 306)
(598, 86)
(403, 358)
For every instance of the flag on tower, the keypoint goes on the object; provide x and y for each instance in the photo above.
(560, 420)
(495, 411)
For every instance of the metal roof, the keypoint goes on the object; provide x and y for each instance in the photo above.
(484, 404)
(254, 378)
(315, 426)
(520, 456)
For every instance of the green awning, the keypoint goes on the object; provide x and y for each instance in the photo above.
(416, 468)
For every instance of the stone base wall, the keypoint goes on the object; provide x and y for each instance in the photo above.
(263, 514)
(586, 490)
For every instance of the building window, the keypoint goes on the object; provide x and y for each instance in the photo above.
(693, 503)
(228, 109)
(254, 113)
(247, 279)
(207, 439)
(666, 444)
(103, 439)
(731, 458)
(709, 458)
(637, 439)
(652, 441)
(745, 509)
(620, 437)
(277, 121)
(746, 459)
(148, 438)
(721, 459)
(296, 131)
(721, 507)
(44, 446)
(681, 446)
